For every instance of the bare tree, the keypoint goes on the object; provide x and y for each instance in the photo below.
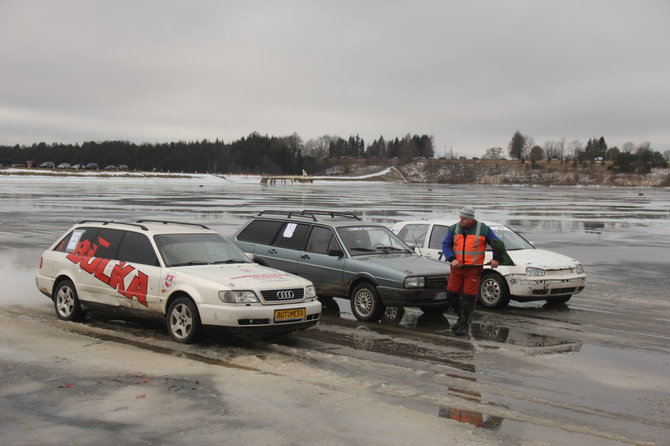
(494, 153)
(319, 147)
(574, 149)
(528, 145)
(628, 147)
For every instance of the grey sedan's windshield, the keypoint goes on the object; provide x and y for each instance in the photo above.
(197, 249)
(360, 240)
(511, 239)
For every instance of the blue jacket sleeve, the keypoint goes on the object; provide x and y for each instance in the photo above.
(490, 236)
(447, 246)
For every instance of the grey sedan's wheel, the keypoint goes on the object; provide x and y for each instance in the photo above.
(393, 314)
(66, 302)
(183, 321)
(493, 291)
(366, 304)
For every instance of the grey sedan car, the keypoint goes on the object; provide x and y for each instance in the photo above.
(346, 257)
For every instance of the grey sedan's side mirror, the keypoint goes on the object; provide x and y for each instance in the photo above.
(335, 253)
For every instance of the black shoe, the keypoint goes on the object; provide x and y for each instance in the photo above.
(462, 330)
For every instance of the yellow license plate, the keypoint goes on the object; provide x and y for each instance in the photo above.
(290, 315)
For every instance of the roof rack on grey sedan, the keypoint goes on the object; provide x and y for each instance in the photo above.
(307, 213)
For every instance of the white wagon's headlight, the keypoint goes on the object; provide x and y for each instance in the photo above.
(310, 291)
(534, 271)
(238, 297)
(579, 269)
(415, 282)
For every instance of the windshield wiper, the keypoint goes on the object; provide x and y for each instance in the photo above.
(191, 263)
(390, 248)
(362, 249)
(218, 262)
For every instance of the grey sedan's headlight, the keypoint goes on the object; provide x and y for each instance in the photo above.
(415, 282)
(579, 269)
(310, 291)
(534, 271)
(238, 297)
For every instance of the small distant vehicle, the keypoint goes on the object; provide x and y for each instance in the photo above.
(123, 167)
(63, 166)
(538, 274)
(110, 167)
(91, 166)
(346, 257)
(186, 273)
(77, 166)
(47, 165)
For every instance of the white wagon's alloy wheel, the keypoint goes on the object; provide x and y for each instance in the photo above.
(183, 321)
(66, 302)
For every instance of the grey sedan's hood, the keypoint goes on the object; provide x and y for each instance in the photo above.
(413, 265)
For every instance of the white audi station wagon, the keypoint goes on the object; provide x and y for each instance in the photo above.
(186, 273)
(538, 274)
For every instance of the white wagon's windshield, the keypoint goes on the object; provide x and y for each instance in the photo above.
(197, 249)
(512, 240)
(361, 240)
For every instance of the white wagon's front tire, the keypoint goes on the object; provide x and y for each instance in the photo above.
(183, 321)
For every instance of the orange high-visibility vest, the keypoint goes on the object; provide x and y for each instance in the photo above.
(470, 248)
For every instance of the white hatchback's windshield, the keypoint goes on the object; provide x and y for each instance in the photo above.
(360, 240)
(511, 239)
(197, 249)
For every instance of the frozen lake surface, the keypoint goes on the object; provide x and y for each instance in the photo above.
(608, 386)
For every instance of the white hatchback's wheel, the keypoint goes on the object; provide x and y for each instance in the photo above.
(493, 291)
(66, 302)
(183, 321)
(366, 304)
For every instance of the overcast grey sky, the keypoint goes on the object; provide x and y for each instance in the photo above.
(468, 72)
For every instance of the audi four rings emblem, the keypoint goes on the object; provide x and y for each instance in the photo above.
(288, 294)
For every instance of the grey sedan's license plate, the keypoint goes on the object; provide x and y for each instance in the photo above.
(440, 295)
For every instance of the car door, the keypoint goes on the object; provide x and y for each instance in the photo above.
(322, 262)
(93, 255)
(288, 246)
(433, 246)
(414, 234)
(141, 273)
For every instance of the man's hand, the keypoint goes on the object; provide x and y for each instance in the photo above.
(494, 263)
(455, 263)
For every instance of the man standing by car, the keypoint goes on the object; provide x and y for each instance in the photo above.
(464, 247)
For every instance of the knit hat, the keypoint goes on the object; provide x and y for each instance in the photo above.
(467, 212)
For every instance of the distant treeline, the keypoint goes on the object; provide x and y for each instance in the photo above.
(252, 154)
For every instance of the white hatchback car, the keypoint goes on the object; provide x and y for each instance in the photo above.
(187, 273)
(537, 274)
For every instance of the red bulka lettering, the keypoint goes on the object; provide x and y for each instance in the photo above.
(89, 264)
(81, 250)
(138, 288)
(119, 273)
(100, 270)
(103, 242)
